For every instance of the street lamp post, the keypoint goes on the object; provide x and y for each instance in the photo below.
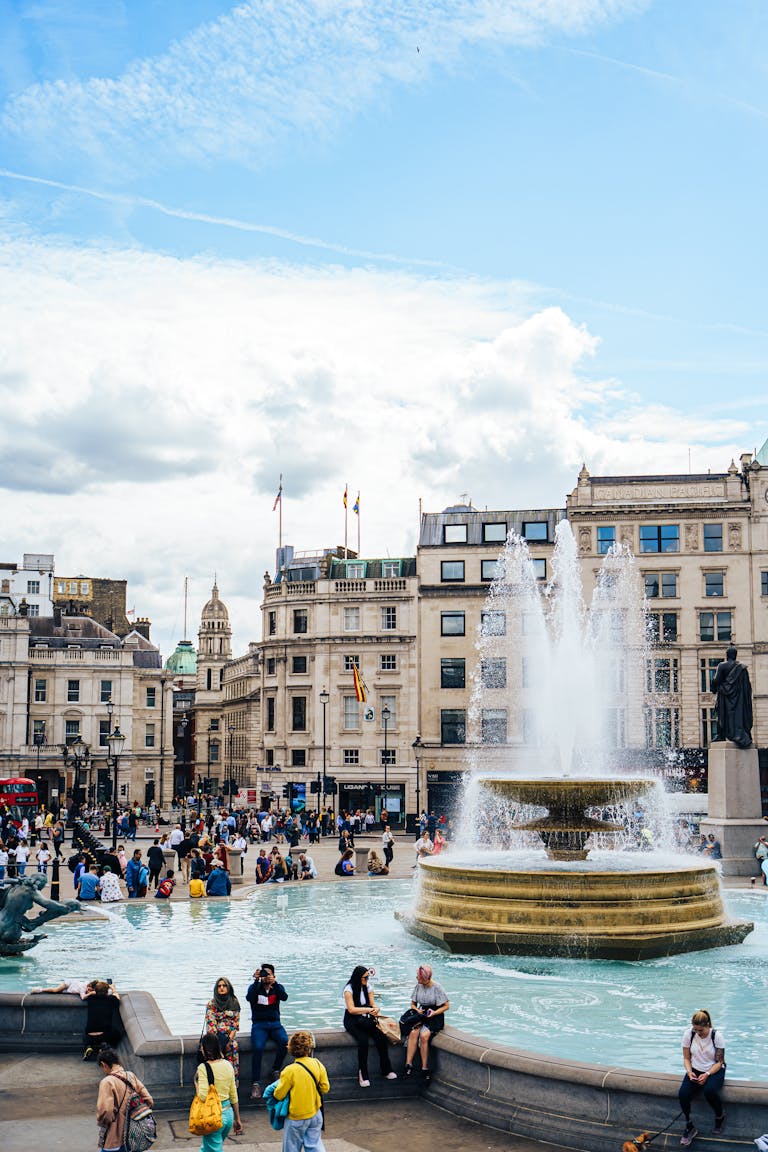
(231, 730)
(183, 725)
(324, 698)
(115, 743)
(76, 754)
(211, 729)
(416, 751)
(385, 715)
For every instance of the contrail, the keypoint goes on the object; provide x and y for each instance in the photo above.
(223, 221)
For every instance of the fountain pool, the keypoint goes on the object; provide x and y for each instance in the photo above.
(606, 1012)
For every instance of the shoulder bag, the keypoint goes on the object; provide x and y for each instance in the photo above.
(390, 1027)
(140, 1131)
(205, 1115)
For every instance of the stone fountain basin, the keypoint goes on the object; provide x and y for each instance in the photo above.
(568, 794)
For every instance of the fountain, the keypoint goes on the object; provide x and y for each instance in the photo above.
(564, 889)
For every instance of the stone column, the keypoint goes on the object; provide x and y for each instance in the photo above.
(734, 811)
(235, 865)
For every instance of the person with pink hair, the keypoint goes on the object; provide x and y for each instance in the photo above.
(431, 1001)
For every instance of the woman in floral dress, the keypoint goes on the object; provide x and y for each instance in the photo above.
(222, 1019)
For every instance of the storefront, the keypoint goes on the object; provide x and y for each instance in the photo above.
(354, 795)
(444, 793)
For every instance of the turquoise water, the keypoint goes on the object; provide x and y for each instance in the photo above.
(631, 1015)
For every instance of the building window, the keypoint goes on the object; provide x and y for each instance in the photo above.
(709, 729)
(300, 621)
(662, 675)
(453, 726)
(606, 538)
(660, 584)
(388, 662)
(494, 533)
(149, 736)
(351, 619)
(662, 727)
(33, 610)
(271, 623)
(299, 665)
(61, 588)
(662, 627)
(454, 534)
(270, 713)
(151, 697)
(390, 569)
(214, 753)
(659, 537)
(451, 623)
(355, 570)
(452, 571)
(269, 758)
(714, 626)
(299, 713)
(38, 731)
(713, 537)
(493, 673)
(389, 702)
(539, 568)
(614, 727)
(85, 587)
(214, 725)
(389, 757)
(73, 587)
(707, 668)
(713, 583)
(536, 530)
(73, 691)
(298, 757)
(764, 583)
(71, 731)
(493, 623)
(351, 714)
(41, 691)
(4, 610)
(33, 587)
(271, 665)
(452, 673)
(351, 756)
(489, 569)
(351, 662)
(388, 619)
(103, 733)
(494, 726)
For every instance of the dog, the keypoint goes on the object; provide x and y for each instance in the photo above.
(639, 1144)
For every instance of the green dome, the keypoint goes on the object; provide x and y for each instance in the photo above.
(184, 660)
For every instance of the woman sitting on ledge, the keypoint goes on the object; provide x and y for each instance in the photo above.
(430, 1000)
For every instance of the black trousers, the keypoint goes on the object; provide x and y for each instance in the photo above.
(711, 1091)
(363, 1030)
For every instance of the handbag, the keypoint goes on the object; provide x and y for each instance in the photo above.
(408, 1021)
(390, 1027)
(140, 1131)
(277, 1110)
(205, 1115)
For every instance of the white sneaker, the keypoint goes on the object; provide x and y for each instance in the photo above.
(361, 1082)
(391, 1076)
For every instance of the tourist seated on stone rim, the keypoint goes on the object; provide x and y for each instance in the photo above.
(431, 1001)
(704, 1063)
(103, 1024)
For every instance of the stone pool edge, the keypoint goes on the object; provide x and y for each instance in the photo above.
(587, 1107)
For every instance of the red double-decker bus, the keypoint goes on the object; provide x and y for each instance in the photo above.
(19, 795)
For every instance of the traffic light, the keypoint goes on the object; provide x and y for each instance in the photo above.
(286, 791)
(329, 785)
(314, 786)
(123, 789)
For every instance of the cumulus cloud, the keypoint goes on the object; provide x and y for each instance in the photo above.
(150, 405)
(234, 86)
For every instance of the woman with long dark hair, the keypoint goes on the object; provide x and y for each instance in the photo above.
(360, 1012)
(222, 1019)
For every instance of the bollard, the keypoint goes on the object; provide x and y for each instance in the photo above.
(55, 883)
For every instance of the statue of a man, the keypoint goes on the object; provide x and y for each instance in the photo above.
(734, 700)
(16, 901)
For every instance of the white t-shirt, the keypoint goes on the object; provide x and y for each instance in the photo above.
(703, 1047)
(361, 997)
(22, 853)
(176, 837)
(3, 858)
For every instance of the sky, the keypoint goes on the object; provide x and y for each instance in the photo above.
(426, 251)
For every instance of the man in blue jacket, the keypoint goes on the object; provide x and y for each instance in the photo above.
(219, 883)
(265, 996)
(133, 875)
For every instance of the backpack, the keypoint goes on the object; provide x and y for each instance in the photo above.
(140, 1130)
(205, 1115)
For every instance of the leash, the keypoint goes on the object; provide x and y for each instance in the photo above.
(660, 1132)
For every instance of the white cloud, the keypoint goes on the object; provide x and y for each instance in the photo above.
(150, 404)
(235, 85)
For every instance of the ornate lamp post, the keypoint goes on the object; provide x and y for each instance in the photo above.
(416, 751)
(385, 715)
(115, 743)
(324, 698)
(231, 730)
(76, 754)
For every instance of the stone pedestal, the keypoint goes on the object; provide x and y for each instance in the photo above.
(235, 865)
(734, 812)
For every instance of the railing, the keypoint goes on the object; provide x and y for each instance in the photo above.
(390, 584)
(307, 588)
(346, 586)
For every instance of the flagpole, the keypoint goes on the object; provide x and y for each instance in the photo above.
(359, 553)
(280, 517)
(346, 522)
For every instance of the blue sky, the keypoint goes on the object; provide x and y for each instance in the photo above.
(423, 250)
